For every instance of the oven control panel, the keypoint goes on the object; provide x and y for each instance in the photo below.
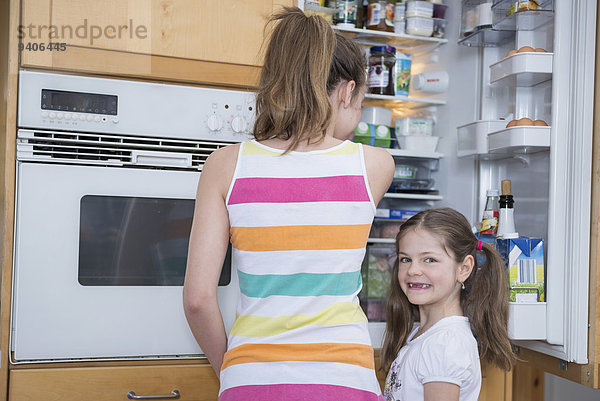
(92, 104)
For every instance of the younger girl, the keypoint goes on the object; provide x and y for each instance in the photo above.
(458, 288)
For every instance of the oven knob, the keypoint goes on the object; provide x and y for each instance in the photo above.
(82, 117)
(90, 117)
(67, 116)
(238, 124)
(214, 123)
(52, 114)
(44, 114)
(97, 119)
(60, 116)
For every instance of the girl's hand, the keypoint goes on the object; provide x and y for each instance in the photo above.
(441, 391)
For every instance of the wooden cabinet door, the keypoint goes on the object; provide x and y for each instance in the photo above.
(193, 382)
(165, 39)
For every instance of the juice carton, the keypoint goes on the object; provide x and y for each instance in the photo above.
(524, 258)
(402, 73)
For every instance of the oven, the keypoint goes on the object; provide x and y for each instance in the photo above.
(107, 171)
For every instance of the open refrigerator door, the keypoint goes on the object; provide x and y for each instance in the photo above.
(534, 126)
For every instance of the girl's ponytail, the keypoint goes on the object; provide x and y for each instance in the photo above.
(304, 62)
(485, 303)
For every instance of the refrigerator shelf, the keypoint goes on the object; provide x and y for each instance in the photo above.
(407, 43)
(486, 37)
(419, 154)
(522, 69)
(525, 20)
(412, 196)
(527, 321)
(400, 103)
(521, 140)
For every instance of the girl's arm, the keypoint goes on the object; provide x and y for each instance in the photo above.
(380, 168)
(441, 391)
(209, 239)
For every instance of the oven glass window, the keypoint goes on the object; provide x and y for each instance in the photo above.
(130, 241)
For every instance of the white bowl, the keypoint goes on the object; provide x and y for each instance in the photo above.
(418, 142)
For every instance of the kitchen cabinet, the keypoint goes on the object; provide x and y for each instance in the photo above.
(205, 42)
(193, 382)
(196, 382)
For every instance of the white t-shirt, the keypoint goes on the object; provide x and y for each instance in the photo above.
(447, 352)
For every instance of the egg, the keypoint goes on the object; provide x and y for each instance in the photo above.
(525, 121)
(510, 53)
(526, 49)
(511, 123)
(540, 123)
(540, 50)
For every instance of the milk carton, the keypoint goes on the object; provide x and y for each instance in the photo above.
(524, 259)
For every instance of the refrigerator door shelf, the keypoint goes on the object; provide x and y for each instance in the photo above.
(527, 321)
(473, 137)
(524, 19)
(520, 140)
(522, 69)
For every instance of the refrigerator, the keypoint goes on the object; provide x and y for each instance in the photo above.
(550, 167)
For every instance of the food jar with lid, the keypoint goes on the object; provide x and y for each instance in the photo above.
(345, 16)
(381, 70)
(381, 15)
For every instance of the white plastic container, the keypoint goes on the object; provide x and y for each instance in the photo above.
(419, 9)
(527, 321)
(473, 137)
(418, 142)
(434, 81)
(400, 26)
(419, 26)
(376, 116)
(413, 126)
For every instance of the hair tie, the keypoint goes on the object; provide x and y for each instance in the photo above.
(479, 245)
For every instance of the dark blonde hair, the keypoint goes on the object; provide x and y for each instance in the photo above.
(304, 62)
(484, 300)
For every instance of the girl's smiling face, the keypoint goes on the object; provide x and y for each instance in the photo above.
(427, 272)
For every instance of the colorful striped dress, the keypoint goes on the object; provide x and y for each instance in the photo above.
(299, 226)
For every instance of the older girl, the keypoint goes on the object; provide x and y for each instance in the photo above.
(297, 203)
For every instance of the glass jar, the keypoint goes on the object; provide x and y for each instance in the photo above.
(380, 15)
(346, 13)
(381, 70)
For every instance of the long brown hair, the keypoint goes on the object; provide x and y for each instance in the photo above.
(484, 300)
(304, 62)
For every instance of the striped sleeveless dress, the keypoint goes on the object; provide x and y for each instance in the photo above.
(299, 227)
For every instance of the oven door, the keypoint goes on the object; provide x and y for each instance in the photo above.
(99, 263)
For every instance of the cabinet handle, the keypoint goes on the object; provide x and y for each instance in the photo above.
(174, 395)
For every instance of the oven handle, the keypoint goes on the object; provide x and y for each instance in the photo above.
(161, 159)
(174, 395)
